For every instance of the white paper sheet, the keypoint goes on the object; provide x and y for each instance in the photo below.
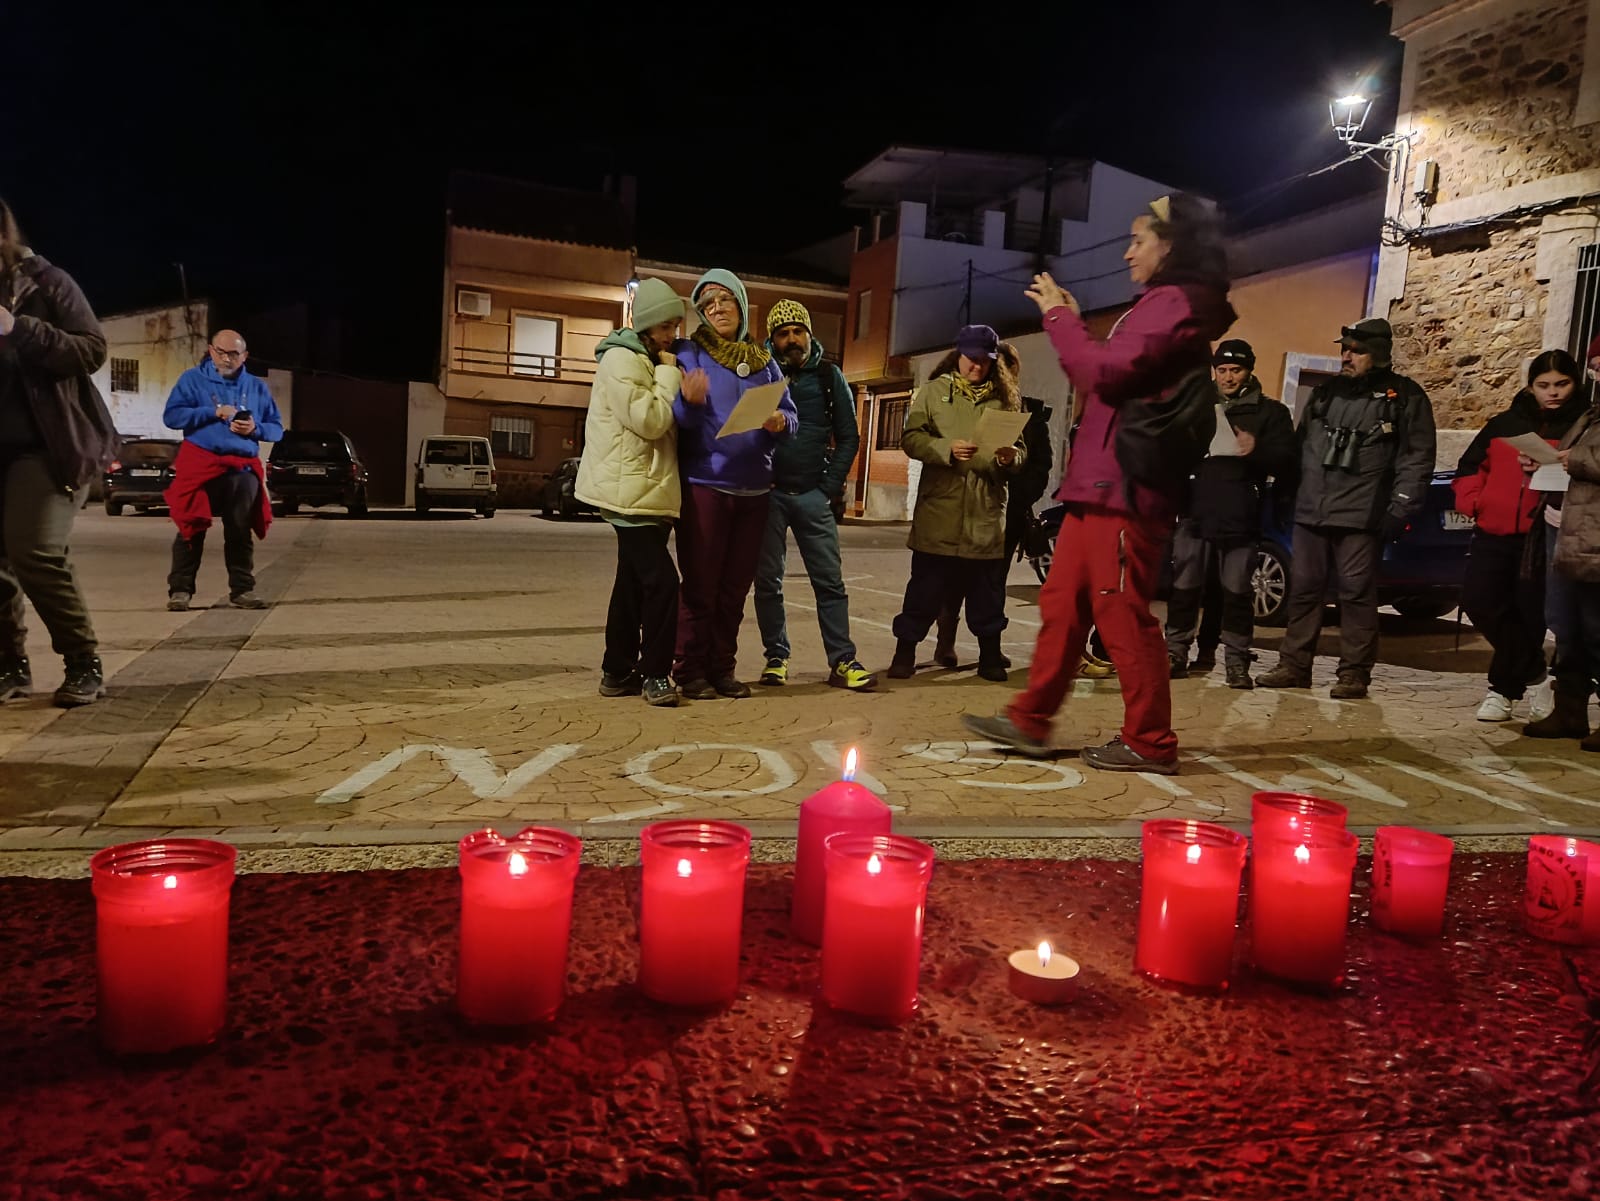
(1000, 427)
(1224, 443)
(1551, 477)
(753, 409)
(1535, 447)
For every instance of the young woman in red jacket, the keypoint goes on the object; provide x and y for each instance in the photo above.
(1503, 594)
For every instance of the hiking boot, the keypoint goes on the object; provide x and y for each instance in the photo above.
(698, 690)
(246, 600)
(178, 602)
(1569, 718)
(1001, 730)
(85, 683)
(851, 675)
(624, 685)
(1205, 659)
(1542, 699)
(1117, 755)
(1495, 707)
(991, 663)
(658, 690)
(904, 664)
(1350, 686)
(944, 649)
(1177, 667)
(1239, 677)
(1591, 743)
(1284, 676)
(730, 687)
(776, 673)
(16, 681)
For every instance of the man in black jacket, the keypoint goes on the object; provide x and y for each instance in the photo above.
(1366, 457)
(1223, 524)
(808, 474)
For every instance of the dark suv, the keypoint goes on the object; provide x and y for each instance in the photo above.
(139, 474)
(316, 467)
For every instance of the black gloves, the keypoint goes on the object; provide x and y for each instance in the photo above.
(1392, 527)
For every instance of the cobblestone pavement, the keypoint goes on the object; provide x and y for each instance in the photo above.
(416, 678)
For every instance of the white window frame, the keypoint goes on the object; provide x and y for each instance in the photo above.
(537, 365)
(505, 429)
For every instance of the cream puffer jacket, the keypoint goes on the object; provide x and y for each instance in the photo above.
(630, 452)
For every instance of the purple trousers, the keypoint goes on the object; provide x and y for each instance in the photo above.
(719, 545)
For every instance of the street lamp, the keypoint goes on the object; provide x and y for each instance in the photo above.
(1348, 114)
(628, 290)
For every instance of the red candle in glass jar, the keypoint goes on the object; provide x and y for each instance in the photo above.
(872, 923)
(1188, 902)
(161, 942)
(1410, 879)
(842, 807)
(1560, 901)
(1300, 904)
(516, 918)
(1289, 815)
(691, 911)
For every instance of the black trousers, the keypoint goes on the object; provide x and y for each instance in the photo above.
(1506, 609)
(944, 581)
(1351, 557)
(235, 496)
(642, 622)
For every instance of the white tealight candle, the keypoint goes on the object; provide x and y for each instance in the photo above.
(1040, 975)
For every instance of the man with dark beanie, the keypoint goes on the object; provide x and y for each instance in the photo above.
(1366, 456)
(1223, 522)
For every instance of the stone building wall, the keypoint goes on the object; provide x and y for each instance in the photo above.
(1493, 106)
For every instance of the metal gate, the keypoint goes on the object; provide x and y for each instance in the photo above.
(1586, 304)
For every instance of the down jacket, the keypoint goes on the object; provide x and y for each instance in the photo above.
(1490, 484)
(961, 507)
(1390, 424)
(1578, 544)
(630, 448)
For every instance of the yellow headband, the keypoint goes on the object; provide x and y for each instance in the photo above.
(1161, 206)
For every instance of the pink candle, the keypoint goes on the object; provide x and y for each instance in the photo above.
(872, 923)
(842, 807)
(1560, 902)
(691, 911)
(1188, 902)
(1410, 877)
(1300, 905)
(161, 945)
(516, 915)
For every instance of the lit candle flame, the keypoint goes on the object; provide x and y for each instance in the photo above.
(874, 865)
(1301, 855)
(685, 868)
(170, 882)
(1044, 954)
(1193, 853)
(517, 865)
(850, 764)
(1572, 846)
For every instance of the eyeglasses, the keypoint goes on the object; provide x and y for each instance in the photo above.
(227, 354)
(718, 300)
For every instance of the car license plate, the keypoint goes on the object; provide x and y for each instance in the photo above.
(482, 477)
(145, 471)
(313, 471)
(1452, 520)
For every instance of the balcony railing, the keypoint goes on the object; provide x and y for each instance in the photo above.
(522, 365)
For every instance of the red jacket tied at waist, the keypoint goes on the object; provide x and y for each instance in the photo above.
(186, 496)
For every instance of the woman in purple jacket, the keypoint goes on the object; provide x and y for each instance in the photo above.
(1115, 533)
(726, 482)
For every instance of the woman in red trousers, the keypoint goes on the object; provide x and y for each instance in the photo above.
(1115, 532)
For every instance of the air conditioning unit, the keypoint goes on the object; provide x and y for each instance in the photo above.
(472, 304)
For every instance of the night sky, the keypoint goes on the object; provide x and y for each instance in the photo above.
(290, 153)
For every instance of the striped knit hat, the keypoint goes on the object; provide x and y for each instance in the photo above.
(788, 312)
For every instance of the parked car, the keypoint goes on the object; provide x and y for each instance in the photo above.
(139, 474)
(1420, 574)
(316, 467)
(557, 496)
(455, 472)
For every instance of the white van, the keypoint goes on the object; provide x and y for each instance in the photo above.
(455, 472)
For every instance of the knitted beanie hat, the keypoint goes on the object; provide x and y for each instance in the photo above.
(655, 302)
(788, 312)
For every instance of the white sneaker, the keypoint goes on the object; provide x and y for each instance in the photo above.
(1495, 707)
(1542, 699)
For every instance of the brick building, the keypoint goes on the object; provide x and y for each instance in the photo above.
(1502, 262)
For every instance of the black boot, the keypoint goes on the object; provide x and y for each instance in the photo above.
(84, 684)
(1569, 719)
(991, 663)
(904, 664)
(16, 681)
(944, 649)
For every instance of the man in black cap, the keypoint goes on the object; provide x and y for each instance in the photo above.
(1223, 524)
(1366, 456)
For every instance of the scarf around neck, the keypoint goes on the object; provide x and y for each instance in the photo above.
(730, 354)
(977, 393)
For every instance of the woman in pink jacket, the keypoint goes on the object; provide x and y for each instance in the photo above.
(1115, 532)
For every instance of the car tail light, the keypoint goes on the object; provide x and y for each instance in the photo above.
(355, 470)
(114, 465)
(494, 475)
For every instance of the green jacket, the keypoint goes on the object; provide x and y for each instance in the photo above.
(961, 507)
(822, 449)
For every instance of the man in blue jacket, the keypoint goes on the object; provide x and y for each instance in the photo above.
(808, 474)
(224, 413)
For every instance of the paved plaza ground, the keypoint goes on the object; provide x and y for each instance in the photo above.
(416, 678)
